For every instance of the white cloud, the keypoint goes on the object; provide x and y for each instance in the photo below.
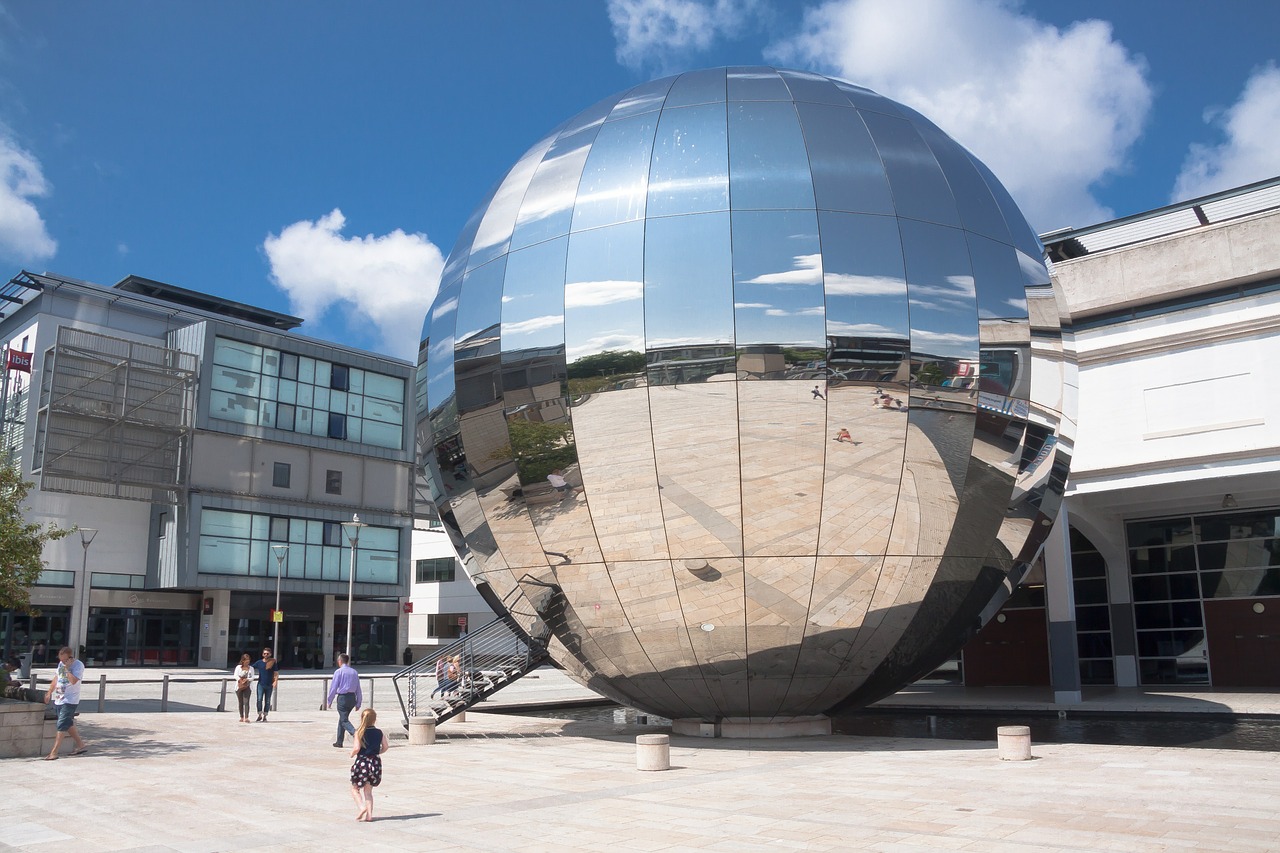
(592, 294)
(23, 235)
(610, 340)
(1051, 111)
(846, 284)
(661, 32)
(390, 281)
(1249, 153)
(807, 270)
(533, 324)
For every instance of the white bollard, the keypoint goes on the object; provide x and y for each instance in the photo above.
(653, 752)
(1013, 743)
(422, 731)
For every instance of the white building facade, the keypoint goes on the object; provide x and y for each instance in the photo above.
(210, 458)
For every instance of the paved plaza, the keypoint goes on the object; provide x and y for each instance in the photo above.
(194, 779)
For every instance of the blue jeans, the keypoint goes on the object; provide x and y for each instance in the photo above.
(265, 689)
(346, 703)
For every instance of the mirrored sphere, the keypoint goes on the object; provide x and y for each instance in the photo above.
(749, 385)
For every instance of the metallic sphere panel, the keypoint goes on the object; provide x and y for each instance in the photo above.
(751, 385)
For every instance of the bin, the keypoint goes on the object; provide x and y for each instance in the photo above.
(24, 668)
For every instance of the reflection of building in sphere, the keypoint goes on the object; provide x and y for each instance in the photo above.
(675, 300)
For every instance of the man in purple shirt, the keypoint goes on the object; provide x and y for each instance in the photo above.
(346, 687)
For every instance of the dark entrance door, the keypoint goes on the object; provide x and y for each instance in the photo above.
(1244, 645)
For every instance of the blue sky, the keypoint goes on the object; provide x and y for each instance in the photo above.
(320, 157)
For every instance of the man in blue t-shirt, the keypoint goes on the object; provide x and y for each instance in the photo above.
(65, 693)
(268, 677)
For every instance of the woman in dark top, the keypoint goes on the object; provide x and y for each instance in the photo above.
(366, 771)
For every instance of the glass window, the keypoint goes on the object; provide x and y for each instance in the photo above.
(380, 434)
(284, 416)
(338, 378)
(383, 387)
(280, 477)
(1237, 526)
(279, 529)
(270, 362)
(332, 533)
(333, 482)
(437, 570)
(288, 365)
(337, 425)
(236, 381)
(306, 369)
(239, 354)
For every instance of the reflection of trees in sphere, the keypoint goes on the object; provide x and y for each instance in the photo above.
(646, 302)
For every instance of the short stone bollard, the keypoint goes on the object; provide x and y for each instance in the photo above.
(422, 731)
(653, 752)
(1013, 743)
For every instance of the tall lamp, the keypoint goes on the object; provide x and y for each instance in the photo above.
(281, 551)
(86, 539)
(352, 529)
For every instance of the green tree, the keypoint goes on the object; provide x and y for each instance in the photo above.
(540, 448)
(606, 363)
(21, 543)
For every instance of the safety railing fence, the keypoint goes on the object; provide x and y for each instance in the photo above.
(178, 693)
(466, 671)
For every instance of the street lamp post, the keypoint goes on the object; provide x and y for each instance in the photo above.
(281, 551)
(82, 612)
(352, 529)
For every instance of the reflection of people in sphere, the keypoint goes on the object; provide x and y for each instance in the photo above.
(843, 435)
(817, 393)
(558, 482)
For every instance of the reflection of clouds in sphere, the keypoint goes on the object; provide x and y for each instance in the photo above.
(646, 302)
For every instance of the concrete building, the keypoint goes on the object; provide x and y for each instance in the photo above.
(201, 446)
(1164, 568)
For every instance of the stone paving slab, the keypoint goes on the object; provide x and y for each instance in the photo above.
(202, 782)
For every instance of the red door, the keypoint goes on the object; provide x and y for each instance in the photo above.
(1012, 653)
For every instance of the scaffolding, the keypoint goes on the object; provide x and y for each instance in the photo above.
(115, 418)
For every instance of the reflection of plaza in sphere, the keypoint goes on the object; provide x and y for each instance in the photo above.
(647, 302)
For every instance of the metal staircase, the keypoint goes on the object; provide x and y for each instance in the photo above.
(488, 659)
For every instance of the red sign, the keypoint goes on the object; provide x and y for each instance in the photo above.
(408, 607)
(462, 621)
(20, 360)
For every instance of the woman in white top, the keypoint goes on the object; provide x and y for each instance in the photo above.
(245, 675)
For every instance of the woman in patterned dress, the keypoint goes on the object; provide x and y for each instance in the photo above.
(366, 771)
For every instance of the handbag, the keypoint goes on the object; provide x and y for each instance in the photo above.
(243, 683)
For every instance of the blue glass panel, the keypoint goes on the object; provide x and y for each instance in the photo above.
(757, 83)
(480, 304)
(768, 164)
(615, 179)
(548, 205)
(998, 279)
(813, 88)
(690, 172)
(493, 235)
(978, 209)
(697, 87)
(533, 297)
(1024, 239)
(847, 172)
(920, 191)
(866, 287)
(688, 293)
(604, 291)
(944, 313)
(865, 99)
(777, 278)
(439, 326)
(645, 98)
